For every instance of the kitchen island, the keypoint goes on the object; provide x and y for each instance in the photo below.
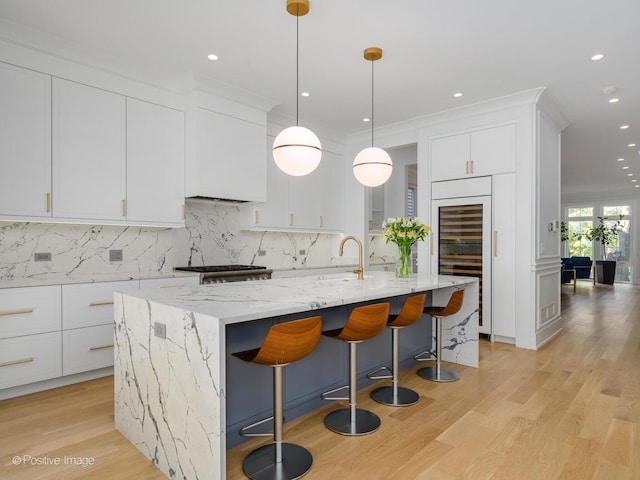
(176, 387)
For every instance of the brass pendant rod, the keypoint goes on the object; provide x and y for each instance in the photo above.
(297, 64)
(372, 62)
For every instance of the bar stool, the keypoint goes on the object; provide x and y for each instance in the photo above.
(440, 373)
(285, 343)
(395, 395)
(363, 323)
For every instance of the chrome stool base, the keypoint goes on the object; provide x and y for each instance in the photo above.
(403, 398)
(260, 464)
(439, 374)
(339, 421)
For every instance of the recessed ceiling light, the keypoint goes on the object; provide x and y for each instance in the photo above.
(305, 94)
(625, 167)
(621, 159)
(636, 186)
(634, 180)
(212, 56)
(458, 94)
(631, 145)
(597, 56)
(614, 100)
(629, 174)
(624, 127)
(366, 119)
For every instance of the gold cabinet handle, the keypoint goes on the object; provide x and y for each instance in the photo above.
(17, 362)
(471, 167)
(321, 221)
(256, 216)
(99, 304)
(291, 219)
(466, 167)
(183, 212)
(100, 347)
(16, 312)
(370, 224)
(495, 243)
(431, 244)
(48, 202)
(172, 286)
(124, 208)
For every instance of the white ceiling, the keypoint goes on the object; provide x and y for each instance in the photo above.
(484, 48)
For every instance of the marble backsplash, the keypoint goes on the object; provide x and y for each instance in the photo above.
(212, 236)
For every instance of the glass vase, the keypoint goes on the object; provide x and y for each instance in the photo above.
(404, 265)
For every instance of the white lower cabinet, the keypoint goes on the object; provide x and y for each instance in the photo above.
(87, 348)
(89, 304)
(49, 332)
(29, 310)
(30, 358)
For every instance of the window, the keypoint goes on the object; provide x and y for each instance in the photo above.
(580, 212)
(579, 246)
(411, 202)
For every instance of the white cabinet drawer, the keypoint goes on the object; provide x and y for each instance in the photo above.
(87, 349)
(29, 310)
(30, 359)
(89, 304)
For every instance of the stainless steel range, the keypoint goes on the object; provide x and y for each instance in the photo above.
(229, 273)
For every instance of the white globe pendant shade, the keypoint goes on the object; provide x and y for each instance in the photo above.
(372, 166)
(297, 151)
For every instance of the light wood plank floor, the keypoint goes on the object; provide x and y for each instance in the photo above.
(570, 411)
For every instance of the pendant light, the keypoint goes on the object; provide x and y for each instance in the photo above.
(297, 150)
(372, 166)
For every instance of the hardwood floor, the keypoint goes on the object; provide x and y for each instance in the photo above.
(571, 410)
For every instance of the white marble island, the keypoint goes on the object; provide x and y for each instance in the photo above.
(171, 393)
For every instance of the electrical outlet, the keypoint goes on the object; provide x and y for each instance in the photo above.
(262, 253)
(160, 330)
(115, 255)
(42, 257)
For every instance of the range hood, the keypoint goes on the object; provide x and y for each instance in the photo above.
(223, 201)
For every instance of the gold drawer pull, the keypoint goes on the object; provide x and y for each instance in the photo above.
(48, 202)
(16, 312)
(172, 286)
(256, 217)
(100, 304)
(100, 347)
(124, 208)
(183, 212)
(17, 362)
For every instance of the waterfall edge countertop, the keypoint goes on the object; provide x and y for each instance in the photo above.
(171, 378)
(245, 301)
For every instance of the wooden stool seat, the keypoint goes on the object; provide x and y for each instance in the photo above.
(439, 373)
(285, 343)
(395, 395)
(363, 323)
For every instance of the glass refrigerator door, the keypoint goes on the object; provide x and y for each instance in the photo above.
(463, 246)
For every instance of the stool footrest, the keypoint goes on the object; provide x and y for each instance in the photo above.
(372, 375)
(245, 431)
(420, 357)
(325, 395)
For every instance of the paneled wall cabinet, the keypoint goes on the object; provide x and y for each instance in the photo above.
(71, 152)
(313, 202)
(48, 333)
(478, 153)
(25, 142)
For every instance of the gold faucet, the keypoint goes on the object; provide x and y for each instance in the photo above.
(359, 271)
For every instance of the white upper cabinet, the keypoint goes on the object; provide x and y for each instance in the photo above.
(483, 152)
(331, 188)
(25, 142)
(89, 156)
(313, 202)
(230, 158)
(155, 163)
(275, 211)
